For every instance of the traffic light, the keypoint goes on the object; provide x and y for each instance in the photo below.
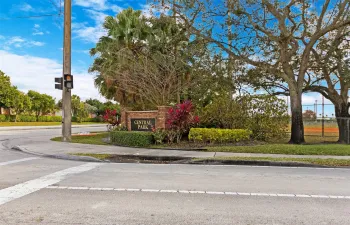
(68, 81)
(58, 83)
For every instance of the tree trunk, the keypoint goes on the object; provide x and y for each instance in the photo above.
(343, 120)
(297, 134)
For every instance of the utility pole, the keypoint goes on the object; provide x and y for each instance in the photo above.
(66, 92)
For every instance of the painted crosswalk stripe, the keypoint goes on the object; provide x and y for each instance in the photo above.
(17, 161)
(26, 188)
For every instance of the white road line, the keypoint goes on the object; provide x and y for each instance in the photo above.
(254, 194)
(17, 161)
(26, 188)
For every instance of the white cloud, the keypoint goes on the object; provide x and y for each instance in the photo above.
(37, 43)
(37, 30)
(90, 33)
(15, 40)
(116, 8)
(36, 73)
(96, 4)
(87, 33)
(98, 17)
(38, 33)
(26, 7)
(20, 42)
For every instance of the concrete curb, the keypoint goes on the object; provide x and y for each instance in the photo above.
(183, 160)
(63, 156)
(261, 163)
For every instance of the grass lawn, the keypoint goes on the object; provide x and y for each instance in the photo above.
(315, 149)
(15, 124)
(92, 140)
(97, 156)
(322, 162)
(282, 148)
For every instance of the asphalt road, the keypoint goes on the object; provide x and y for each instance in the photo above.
(36, 190)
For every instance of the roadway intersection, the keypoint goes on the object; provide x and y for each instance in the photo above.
(38, 190)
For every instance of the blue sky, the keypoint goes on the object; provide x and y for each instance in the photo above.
(31, 48)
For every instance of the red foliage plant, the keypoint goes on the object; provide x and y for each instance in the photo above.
(180, 117)
(112, 117)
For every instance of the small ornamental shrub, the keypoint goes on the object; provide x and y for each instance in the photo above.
(132, 138)
(213, 135)
(159, 135)
(3, 118)
(179, 121)
(112, 117)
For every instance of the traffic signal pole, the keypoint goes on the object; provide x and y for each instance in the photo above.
(66, 92)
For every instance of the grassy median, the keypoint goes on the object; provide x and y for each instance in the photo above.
(288, 149)
(312, 161)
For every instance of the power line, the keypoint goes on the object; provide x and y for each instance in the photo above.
(59, 9)
(55, 5)
(28, 17)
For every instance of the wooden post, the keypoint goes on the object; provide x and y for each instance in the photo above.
(66, 93)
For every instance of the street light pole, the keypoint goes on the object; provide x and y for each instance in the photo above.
(66, 92)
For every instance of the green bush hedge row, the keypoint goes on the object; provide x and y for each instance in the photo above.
(26, 118)
(132, 138)
(214, 135)
(95, 120)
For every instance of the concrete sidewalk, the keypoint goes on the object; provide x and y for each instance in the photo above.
(43, 146)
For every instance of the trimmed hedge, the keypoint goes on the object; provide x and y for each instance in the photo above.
(3, 118)
(50, 119)
(24, 118)
(92, 120)
(132, 138)
(27, 118)
(213, 135)
(7, 118)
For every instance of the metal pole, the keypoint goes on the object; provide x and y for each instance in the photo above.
(322, 116)
(316, 109)
(66, 93)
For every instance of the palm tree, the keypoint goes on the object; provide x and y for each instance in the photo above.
(128, 30)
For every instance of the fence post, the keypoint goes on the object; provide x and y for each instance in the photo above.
(322, 116)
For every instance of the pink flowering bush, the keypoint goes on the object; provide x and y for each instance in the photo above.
(179, 121)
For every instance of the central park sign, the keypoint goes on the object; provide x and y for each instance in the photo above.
(143, 124)
(145, 120)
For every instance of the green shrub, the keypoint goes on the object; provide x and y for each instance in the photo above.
(50, 119)
(91, 120)
(97, 119)
(265, 116)
(132, 138)
(213, 135)
(26, 118)
(159, 135)
(11, 118)
(3, 118)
